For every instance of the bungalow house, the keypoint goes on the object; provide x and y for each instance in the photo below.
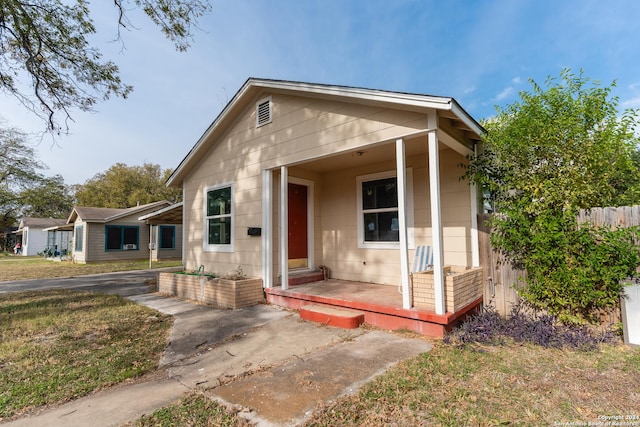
(35, 238)
(109, 234)
(292, 178)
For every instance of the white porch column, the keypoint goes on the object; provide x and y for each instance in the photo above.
(402, 223)
(267, 228)
(284, 227)
(475, 247)
(184, 231)
(436, 215)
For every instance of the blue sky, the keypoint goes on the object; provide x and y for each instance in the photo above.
(480, 52)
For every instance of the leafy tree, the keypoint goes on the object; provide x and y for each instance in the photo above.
(560, 149)
(123, 186)
(48, 198)
(18, 172)
(46, 42)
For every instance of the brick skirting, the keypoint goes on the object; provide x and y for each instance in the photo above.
(217, 292)
(461, 287)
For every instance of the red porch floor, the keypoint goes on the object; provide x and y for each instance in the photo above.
(381, 305)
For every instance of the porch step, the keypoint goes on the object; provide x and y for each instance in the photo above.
(301, 278)
(332, 316)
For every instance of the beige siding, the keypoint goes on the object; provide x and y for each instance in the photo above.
(96, 242)
(339, 218)
(304, 129)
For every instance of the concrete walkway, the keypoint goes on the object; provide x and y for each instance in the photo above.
(263, 359)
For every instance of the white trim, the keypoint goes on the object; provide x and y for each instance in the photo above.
(284, 228)
(362, 244)
(375, 95)
(436, 216)
(456, 145)
(465, 117)
(161, 211)
(267, 227)
(402, 220)
(310, 218)
(184, 228)
(206, 247)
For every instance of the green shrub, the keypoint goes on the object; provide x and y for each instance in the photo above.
(574, 272)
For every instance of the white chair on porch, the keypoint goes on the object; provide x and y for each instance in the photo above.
(422, 260)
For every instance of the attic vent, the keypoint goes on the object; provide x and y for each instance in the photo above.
(263, 112)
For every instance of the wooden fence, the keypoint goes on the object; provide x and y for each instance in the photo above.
(501, 280)
(621, 217)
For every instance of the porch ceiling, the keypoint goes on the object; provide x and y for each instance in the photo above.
(367, 155)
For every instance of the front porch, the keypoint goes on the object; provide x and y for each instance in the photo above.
(381, 305)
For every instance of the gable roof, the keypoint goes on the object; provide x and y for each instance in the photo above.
(254, 86)
(90, 214)
(40, 222)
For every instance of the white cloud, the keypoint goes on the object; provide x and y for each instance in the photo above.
(631, 103)
(516, 80)
(505, 93)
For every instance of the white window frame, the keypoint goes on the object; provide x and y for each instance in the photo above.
(262, 101)
(207, 247)
(362, 244)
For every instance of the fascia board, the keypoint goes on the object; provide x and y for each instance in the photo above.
(161, 211)
(344, 92)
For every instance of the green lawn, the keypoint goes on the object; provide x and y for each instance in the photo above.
(59, 345)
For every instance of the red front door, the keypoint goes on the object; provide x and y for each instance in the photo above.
(298, 240)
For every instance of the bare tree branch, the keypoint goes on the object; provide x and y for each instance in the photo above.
(45, 43)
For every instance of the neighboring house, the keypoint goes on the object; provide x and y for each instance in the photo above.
(35, 238)
(166, 235)
(293, 176)
(108, 234)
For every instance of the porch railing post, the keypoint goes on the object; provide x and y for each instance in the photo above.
(267, 228)
(402, 223)
(284, 227)
(436, 215)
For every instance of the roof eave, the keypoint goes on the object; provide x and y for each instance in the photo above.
(134, 210)
(161, 211)
(345, 92)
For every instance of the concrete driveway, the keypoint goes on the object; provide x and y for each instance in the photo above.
(263, 360)
(125, 283)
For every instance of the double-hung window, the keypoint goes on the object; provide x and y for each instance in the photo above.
(121, 237)
(218, 226)
(378, 223)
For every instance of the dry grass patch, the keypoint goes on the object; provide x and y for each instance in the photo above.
(26, 268)
(194, 410)
(59, 345)
(486, 386)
